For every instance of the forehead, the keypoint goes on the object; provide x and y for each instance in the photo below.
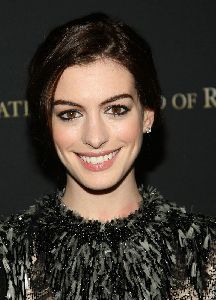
(96, 80)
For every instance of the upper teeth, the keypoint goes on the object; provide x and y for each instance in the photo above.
(99, 159)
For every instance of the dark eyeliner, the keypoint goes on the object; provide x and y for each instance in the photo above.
(126, 109)
(60, 115)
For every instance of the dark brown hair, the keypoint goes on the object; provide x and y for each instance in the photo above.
(82, 41)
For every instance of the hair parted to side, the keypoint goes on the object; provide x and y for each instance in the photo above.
(80, 42)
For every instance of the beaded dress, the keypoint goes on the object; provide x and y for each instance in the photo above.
(158, 252)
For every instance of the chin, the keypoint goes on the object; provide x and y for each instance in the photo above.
(100, 182)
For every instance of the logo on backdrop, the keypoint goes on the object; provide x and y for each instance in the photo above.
(179, 101)
(182, 101)
(14, 109)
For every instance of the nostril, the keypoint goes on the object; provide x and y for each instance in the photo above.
(95, 145)
(94, 138)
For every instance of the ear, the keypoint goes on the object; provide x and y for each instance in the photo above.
(148, 119)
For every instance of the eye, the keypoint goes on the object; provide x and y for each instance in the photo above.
(117, 110)
(69, 115)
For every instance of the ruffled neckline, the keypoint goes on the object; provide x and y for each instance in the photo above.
(116, 220)
(62, 220)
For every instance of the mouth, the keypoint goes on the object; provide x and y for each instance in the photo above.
(97, 161)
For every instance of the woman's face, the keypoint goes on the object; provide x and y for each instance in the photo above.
(98, 123)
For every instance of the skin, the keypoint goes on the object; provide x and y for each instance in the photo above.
(92, 125)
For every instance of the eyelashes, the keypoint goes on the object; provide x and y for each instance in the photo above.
(69, 115)
(117, 110)
(113, 110)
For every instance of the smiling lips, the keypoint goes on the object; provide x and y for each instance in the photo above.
(98, 161)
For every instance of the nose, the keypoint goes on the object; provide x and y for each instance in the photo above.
(95, 132)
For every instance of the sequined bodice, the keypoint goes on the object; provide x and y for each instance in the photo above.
(157, 252)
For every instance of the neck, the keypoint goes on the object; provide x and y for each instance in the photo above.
(105, 205)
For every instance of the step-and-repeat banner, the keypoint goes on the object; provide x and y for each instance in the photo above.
(180, 159)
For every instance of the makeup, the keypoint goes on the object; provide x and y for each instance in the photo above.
(98, 162)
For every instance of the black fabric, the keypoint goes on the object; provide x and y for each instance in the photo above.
(158, 252)
(3, 282)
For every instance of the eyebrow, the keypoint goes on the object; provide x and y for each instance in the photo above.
(108, 100)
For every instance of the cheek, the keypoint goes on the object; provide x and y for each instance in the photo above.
(130, 131)
(63, 136)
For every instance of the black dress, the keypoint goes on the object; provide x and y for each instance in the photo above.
(158, 252)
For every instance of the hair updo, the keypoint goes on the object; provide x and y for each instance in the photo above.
(80, 42)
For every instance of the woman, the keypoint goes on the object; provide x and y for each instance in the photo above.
(93, 93)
